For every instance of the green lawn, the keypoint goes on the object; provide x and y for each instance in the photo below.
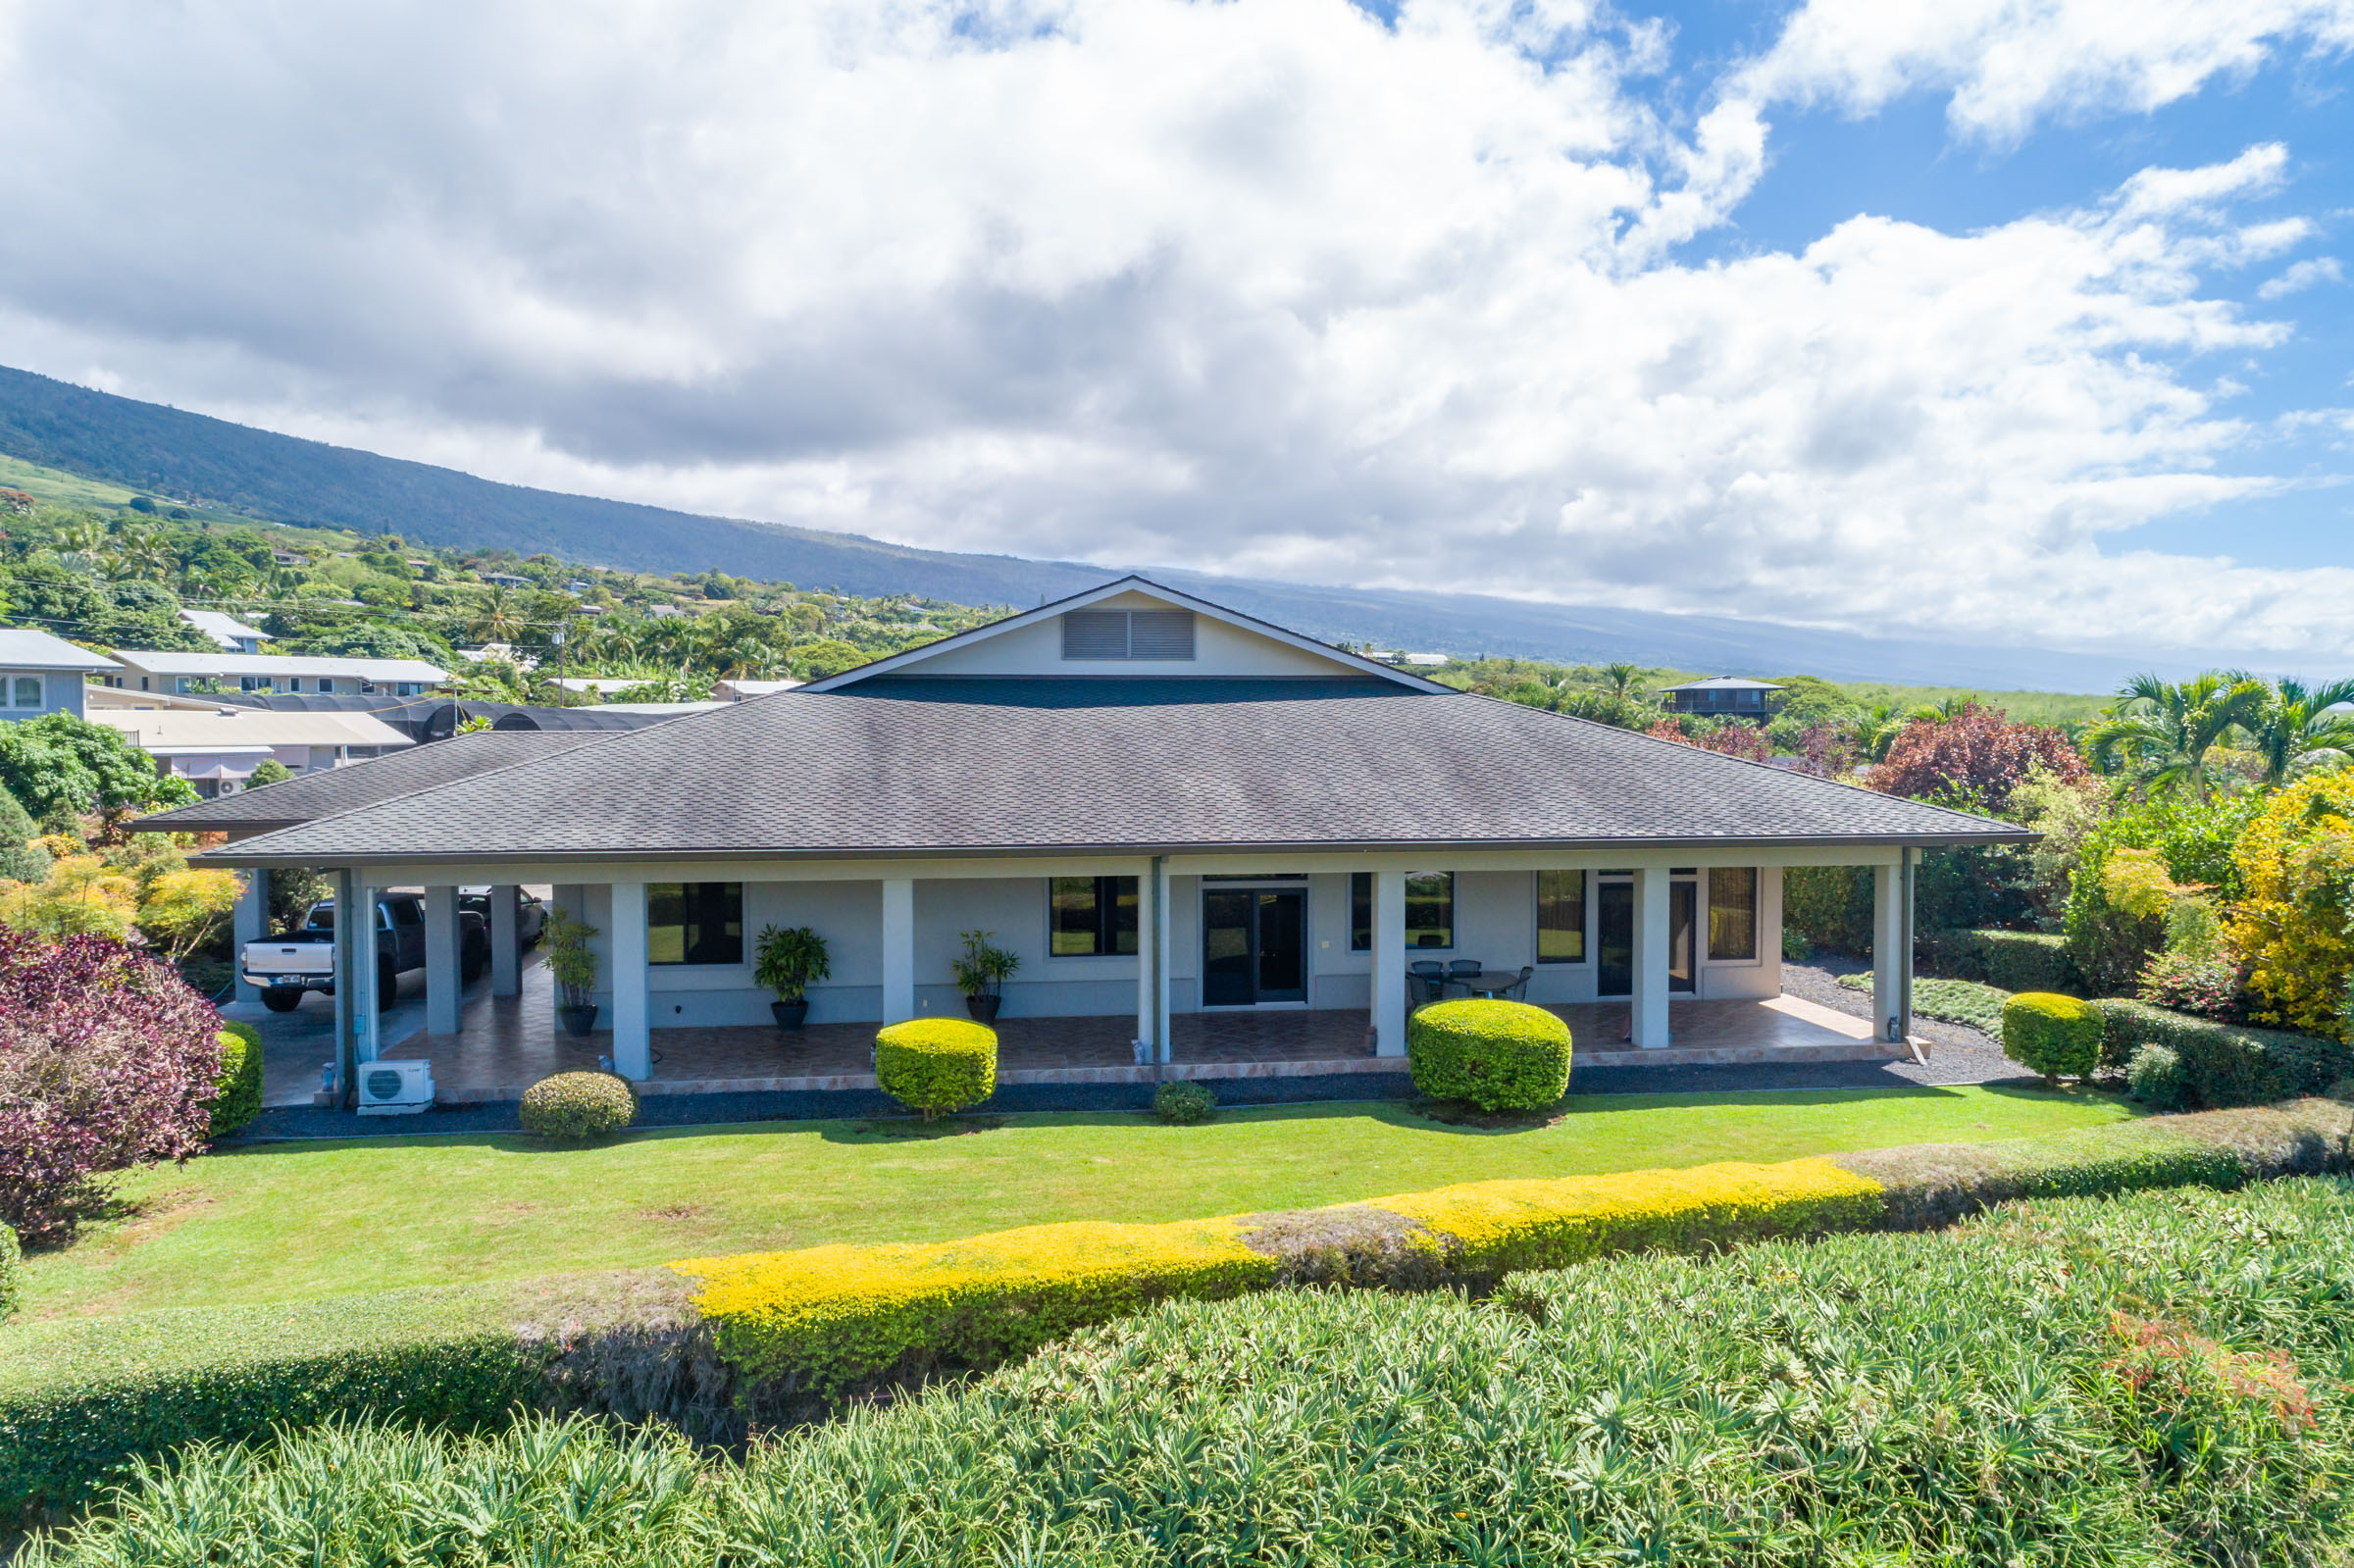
(287, 1221)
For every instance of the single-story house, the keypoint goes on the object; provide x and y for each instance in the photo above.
(147, 670)
(1724, 695)
(234, 634)
(41, 674)
(217, 747)
(1174, 815)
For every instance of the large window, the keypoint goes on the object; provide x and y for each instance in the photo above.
(1093, 915)
(1561, 917)
(1733, 912)
(1429, 910)
(20, 692)
(694, 923)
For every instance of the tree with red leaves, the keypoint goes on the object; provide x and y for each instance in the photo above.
(108, 1059)
(1731, 738)
(1974, 758)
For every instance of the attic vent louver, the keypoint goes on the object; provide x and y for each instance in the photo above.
(1104, 635)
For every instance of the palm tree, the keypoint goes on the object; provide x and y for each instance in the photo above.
(2293, 731)
(1874, 731)
(498, 620)
(2162, 732)
(1622, 677)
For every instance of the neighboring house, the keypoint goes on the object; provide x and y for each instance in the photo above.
(217, 748)
(504, 579)
(734, 690)
(1725, 695)
(318, 674)
(1166, 809)
(233, 636)
(41, 674)
(598, 683)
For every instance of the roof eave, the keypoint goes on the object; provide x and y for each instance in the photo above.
(244, 856)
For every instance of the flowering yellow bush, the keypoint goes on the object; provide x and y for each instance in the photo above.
(1543, 1223)
(826, 1317)
(2296, 864)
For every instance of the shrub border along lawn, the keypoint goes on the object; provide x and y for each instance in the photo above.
(778, 1336)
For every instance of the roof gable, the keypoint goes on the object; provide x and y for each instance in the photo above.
(1219, 643)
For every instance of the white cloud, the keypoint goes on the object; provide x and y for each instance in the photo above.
(2301, 276)
(2009, 64)
(1265, 286)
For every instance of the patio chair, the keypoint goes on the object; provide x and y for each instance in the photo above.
(1425, 981)
(1517, 990)
(1467, 969)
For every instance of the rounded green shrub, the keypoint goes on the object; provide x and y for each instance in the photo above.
(573, 1107)
(238, 1099)
(2059, 1037)
(2156, 1078)
(12, 1274)
(936, 1064)
(1497, 1055)
(1184, 1104)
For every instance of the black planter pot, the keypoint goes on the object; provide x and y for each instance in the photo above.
(577, 1021)
(983, 1008)
(792, 1014)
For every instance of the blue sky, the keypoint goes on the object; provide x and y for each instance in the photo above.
(1905, 161)
(1940, 317)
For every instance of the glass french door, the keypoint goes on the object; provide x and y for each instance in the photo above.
(1683, 921)
(1614, 938)
(1254, 946)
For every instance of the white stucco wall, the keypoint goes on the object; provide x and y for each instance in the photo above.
(1494, 919)
(1220, 649)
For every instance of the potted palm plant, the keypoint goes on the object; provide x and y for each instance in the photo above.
(785, 962)
(565, 938)
(980, 970)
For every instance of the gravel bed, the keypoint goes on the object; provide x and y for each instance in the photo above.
(1958, 1054)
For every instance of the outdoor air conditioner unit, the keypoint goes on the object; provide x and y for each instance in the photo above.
(394, 1088)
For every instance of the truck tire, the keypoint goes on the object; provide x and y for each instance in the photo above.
(281, 998)
(387, 986)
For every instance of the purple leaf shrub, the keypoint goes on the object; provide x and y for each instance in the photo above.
(108, 1060)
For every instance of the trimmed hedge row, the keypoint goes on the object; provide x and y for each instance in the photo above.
(12, 1274)
(779, 1335)
(2007, 960)
(828, 1319)
(2223, 1065)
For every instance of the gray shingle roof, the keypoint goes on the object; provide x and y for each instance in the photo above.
(312, 795)
(1015, 766)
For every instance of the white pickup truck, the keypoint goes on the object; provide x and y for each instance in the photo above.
(305, 960)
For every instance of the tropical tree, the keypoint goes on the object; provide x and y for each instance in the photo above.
(1625, 679)
(2160, 732)
(498, 620)
(2293, 731)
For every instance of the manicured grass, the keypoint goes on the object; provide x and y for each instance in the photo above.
(1958, 1001)
(288, 1221)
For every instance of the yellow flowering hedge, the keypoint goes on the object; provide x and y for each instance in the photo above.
(828, 1317)
(2296, 864)
(1491, 1226)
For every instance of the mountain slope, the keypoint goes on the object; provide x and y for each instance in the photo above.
(191, 457)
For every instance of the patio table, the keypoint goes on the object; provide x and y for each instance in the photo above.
(1488, 981)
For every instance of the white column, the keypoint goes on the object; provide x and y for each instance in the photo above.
(366, 1005)
(1889, 959)
(1389, 963)
(1649, 998)
(443, 980)
(506, 955)
(1148, 956)
(250, 924)
(1164, 923)
(899, 949)
(632, 1040)
(347, 1031)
